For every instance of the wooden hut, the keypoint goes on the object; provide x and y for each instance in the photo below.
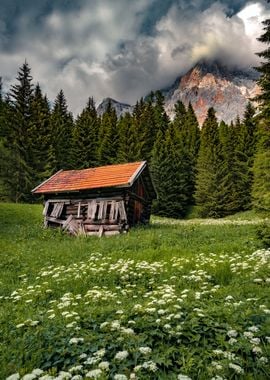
(96, 201)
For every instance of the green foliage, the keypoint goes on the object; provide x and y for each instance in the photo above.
(170, 169)
(263, 234)
(235, 180)
(128, 150)
(39, 135)
(18, 137)
(108, 137)
(208, 168)
(61, 132)
(85, 137)
(261, 186)
(186, 123)
(264, 97)
(261, 169)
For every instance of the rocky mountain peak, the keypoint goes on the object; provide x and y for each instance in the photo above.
(120, 108)
(211, 84)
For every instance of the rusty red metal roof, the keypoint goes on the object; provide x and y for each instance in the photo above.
(122, 175)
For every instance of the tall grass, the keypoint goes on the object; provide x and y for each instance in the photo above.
(180, 287)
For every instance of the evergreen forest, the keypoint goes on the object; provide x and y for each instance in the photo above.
(220, 168)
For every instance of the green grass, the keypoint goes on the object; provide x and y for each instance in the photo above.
(202, 275)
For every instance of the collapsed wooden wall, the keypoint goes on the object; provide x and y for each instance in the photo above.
(87, 216)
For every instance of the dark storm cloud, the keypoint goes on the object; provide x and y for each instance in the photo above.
(122, 48)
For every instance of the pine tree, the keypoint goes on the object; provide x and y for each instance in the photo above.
(108, 137)
(180, 116)
(5, 156)
(139, 127)
(261, 169)
(248, 137)
(148, 133)
(162, 120)
(209, 168)
(21, 181)
(61, 131)
(128, 144)
(234, 180)
(85, 137)
(39, 134)
(170, 170)
(187, 124)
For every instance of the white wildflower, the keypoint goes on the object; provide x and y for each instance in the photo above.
(183, 377)
(37, 371)
(64, 375)
(217, 365)
(232, 333)
(145, 350)
(14, 376)
(120, 376)
(253, 328)
(236, 368)
(29, 376)
(257, 350)
(20, 325)
(255, 341)
(137, 368)
(94, 374)
(121, 355)
(248, 334)
(263, 360)
(100, 353)
(104, 324)
(104, 366)
(76, 368)
(34, 323)
(150, 365)
(127, 331)
(115, 325)
(75, 340)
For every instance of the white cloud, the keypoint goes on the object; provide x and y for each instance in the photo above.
(98, 50)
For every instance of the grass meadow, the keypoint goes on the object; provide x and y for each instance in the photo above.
(173, 300)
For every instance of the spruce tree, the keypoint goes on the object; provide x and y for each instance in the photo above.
(261, 169)
(108, 137)
(141, 119)
(180, 115)
(5, 156)
(170, 171)
(162, 120)
(234, 180)
(61, 124)
(39, 134)
(208, 177)
(85, 137)
(148, 133)
(128, 150)
(19, 115)
(186, 123)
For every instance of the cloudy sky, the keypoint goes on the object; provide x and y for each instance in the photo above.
(123, 48)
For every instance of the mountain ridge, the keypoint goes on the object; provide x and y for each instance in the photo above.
(207, 84)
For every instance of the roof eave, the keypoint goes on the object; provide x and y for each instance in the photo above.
(46, 180)
(136, 174)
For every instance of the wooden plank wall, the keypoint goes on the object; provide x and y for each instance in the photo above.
(86, 216)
